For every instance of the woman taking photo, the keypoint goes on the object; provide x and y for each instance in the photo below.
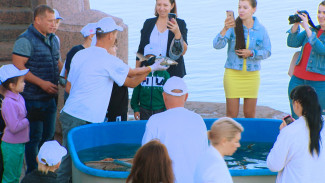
(310, 66)
(151, 164)
(169, 36)
(224, 139)
(298, 153)
(248, 44)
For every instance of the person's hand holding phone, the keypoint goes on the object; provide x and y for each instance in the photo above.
(173, 26)
(230, 20)
(172, 17)
(286, 121)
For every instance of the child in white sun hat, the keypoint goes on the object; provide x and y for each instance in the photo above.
(16, 132)
(49, 159)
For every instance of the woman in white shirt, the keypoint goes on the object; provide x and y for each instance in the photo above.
(224, 139)
(298, 153)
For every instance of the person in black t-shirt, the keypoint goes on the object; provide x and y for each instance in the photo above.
(118, 105)
(88, 33)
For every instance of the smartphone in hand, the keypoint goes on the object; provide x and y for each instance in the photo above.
(288, 119)
(171, 16)
(230, 14)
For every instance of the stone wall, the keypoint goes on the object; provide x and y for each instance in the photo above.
(17, 15)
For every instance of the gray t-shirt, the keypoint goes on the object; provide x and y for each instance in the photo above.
(22, 47)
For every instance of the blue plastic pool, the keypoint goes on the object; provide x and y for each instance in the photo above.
(94, 135)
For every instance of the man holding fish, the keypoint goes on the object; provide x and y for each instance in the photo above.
(92, 73)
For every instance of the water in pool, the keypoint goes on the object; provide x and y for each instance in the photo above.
(251, 155)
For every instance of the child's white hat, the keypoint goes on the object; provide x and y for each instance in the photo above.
(9, 71)
(51, 153)
(151, 49)
(89, 29)
(57, 14)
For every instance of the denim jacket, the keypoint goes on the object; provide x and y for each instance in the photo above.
(316, 61)
(259, 43)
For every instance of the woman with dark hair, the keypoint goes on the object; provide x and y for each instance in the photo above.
(248, 44)
(310, 66)
(151, 164)
(169, 36)
(224, 137)
(298, 153)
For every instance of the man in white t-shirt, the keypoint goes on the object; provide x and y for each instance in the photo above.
(183, 132)
(92, 73)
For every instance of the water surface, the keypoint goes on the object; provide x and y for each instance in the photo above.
(250, 155)
(204, 64)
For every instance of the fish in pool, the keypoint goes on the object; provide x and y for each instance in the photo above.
(165, 60)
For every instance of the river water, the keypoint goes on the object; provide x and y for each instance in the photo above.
(204, 64)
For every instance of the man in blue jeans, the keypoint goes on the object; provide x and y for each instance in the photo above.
(37, 49)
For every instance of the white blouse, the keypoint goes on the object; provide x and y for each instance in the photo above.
(160, 40)
(212, 168)
(290, 156)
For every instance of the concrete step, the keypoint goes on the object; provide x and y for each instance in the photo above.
(16, 15)
(9, 32)
(15, 3)
(6, 50)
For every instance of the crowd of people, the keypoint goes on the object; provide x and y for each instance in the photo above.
(176, 140)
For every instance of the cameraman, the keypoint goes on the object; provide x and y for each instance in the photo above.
(310, 65)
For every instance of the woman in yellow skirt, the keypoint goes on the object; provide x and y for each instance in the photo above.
(248, 44)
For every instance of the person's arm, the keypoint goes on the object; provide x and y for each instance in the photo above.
(68, 87)
(222, 38)
(180, 31)
(139, 71)
(135, 101)
(60, 65)
(9, 115)
(229, 23)
(295, 39)
(47, 86)
(305, 23)
(134, 81)
(262, 49)
(278, 156)
(317, 45)
(22, 50)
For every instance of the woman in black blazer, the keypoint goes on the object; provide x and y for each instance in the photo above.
(161, 32)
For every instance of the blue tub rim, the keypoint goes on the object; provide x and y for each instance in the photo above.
(123, 175)
(88, 170)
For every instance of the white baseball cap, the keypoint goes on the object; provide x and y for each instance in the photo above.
(108, 24)
(57, 14)
(89, 29)
(51, 153)
(151, 49)
(175, 83)
(9, 71)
